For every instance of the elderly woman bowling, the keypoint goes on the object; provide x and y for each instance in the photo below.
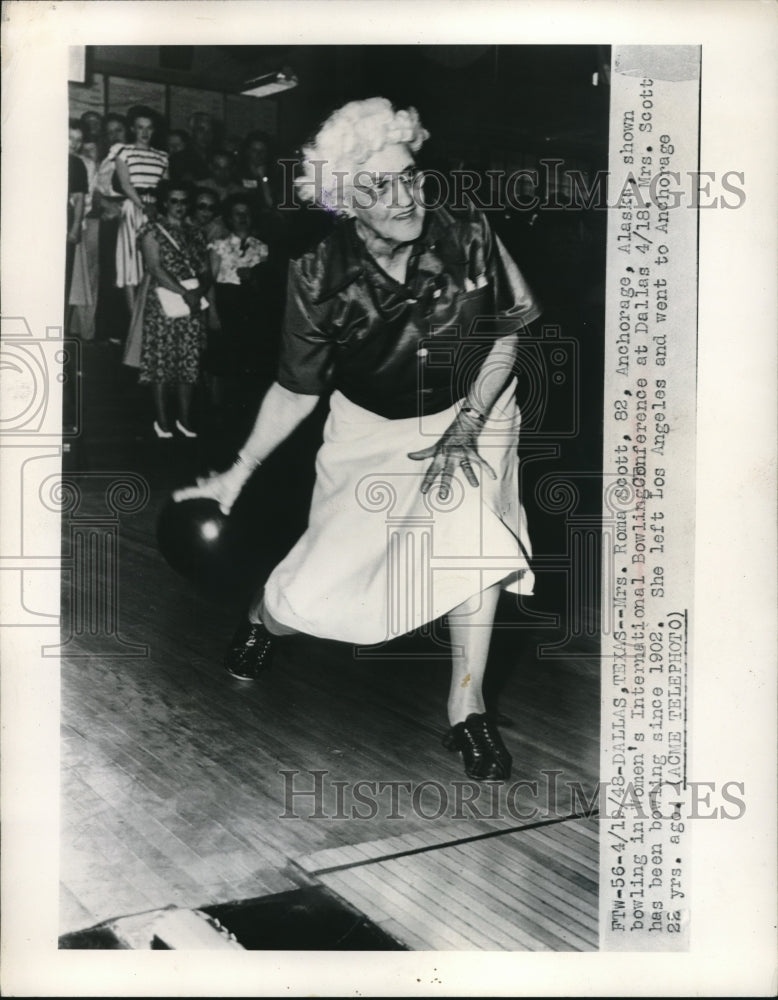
(407, 320)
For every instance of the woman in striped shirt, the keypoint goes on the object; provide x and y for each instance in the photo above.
(139, 169)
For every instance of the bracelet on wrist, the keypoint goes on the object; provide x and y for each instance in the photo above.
(470, 411)
(247, 461)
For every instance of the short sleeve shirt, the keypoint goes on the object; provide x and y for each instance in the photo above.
(235, 253)
(106, 171)
(401, 350)
(146, 167)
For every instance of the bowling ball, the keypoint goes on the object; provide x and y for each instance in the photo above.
(198, 541)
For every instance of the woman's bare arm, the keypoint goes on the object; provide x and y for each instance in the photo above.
(458, 447)
(78, 202)
(494, 374)
(150, 250)
(123, 173)
(280, 413)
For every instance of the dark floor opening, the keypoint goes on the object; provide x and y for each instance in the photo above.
(306, 919)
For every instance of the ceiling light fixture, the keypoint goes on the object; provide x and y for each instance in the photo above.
(270, 83)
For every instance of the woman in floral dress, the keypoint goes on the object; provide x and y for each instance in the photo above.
(173, 252)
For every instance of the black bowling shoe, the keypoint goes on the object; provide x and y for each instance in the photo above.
(483, 752)
(249, 652)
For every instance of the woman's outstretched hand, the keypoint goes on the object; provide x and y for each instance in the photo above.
(223, 487)
(458, 447)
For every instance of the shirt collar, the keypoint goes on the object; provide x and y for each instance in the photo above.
(345, 260)
(341, 263)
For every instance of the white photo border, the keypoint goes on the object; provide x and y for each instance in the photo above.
(733, 727)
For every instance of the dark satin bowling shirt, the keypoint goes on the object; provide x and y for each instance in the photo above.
(401, 350)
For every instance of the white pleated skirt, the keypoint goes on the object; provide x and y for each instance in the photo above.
(129, 260)
(379, 558)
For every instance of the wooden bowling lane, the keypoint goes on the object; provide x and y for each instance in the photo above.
(531, 888)
(176, 778)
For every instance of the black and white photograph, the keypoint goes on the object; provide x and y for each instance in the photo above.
(330, 670)
(357, 442)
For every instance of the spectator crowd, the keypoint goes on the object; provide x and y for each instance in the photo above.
(150, 208)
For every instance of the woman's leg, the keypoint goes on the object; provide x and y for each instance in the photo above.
(185, 390)
(160, 404)
(470, 625)
(473, 732)
(129, 294)
(259, 615)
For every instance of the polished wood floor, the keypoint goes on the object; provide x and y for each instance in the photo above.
(181, 785)
(526, 889)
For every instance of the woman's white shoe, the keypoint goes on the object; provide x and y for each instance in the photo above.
(185, 430)
(160, 433)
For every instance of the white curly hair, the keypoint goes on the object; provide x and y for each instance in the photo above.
(346, 140)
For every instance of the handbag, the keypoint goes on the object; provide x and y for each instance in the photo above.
(174, 305)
